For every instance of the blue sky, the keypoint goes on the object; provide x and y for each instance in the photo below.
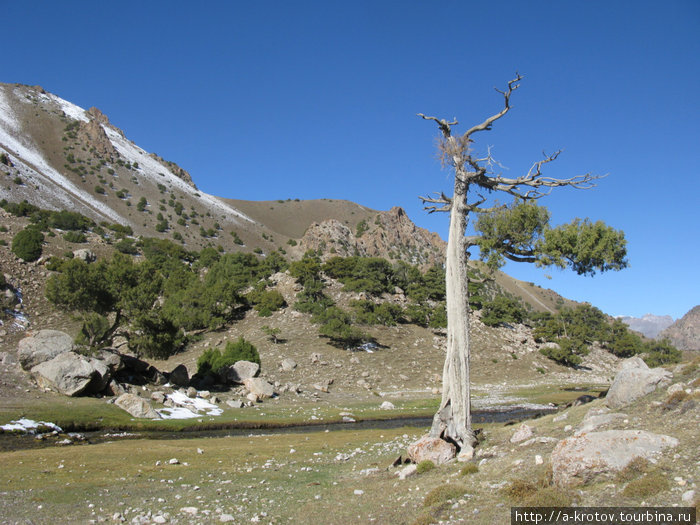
(275, 99)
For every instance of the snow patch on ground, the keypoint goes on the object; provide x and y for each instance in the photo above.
(29, 426)
(188, 407)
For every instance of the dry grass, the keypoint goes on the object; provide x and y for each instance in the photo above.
(443, 493)
(469, 468)
(633, 470)
(652, 483)
(425, 466)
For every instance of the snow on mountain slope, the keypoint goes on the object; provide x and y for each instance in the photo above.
(150, 166)
(36, 168)
(57, 161)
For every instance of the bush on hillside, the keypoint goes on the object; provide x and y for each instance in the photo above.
(502, 310)
(659, 353)
(27, 244)
(212, 361)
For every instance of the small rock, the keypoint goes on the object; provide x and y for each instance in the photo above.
(234, 403)
(466, 454)
(387, 405)
(538, 460)
(677, 387)
(688, 497)
(288, 365)
(358, 492)
(408, 470)
(173, 461)
(192, 511)
(253, 398)
(191, 392)
(225, 518)
(523, 432)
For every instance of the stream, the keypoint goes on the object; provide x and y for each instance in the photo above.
(10, 441)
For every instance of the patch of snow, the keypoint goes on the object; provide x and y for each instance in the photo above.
(186, 405)
(28, 425)
(151, 167)
(71, 110)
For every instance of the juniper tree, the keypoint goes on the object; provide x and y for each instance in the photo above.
(518, 232)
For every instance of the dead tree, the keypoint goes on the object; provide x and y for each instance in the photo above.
(474, 177)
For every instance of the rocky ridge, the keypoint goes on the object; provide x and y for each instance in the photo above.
(685, 333)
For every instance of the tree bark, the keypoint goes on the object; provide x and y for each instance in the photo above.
(453, 422)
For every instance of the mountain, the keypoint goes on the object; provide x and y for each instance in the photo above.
(685, 333)
(58, 156)
(649, 325)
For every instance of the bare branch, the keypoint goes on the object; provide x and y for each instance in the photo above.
(486, 124)
(443, 200)
(445, 127)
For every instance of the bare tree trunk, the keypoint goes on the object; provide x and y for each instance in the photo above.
(453, 422)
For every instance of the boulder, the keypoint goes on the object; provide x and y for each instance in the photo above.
(71, 374)
(180, 376)
(240, 371)
(522, 433)
(85, 255)
(288, 364)
(43, 346)
(111, 359)
(578, 459)
(136, 406)
(634, 380)
(259, 387)
(434, 449)
(387, 405)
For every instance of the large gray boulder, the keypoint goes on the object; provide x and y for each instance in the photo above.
(136, 406)
(241, 370)
(259, 387)
(433, 449)
(634, 380)
(71, 374)
(578, 459)
(42, 346)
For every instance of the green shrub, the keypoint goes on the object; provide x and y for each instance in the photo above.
(565, 354)
(127, 246)
(659, 353)
(424, 466)
(212, 361)
(99, 189)
(267, 301)
(502, 310)
(75, 237)
(27, 244)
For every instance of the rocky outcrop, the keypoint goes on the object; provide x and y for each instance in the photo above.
(684, 334)
(391, 235)
(43, 346)
(634, 380)
(579, 459)
(93, 134)
(432, 449)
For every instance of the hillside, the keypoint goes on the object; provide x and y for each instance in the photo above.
(58, 156)
(685, 333)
